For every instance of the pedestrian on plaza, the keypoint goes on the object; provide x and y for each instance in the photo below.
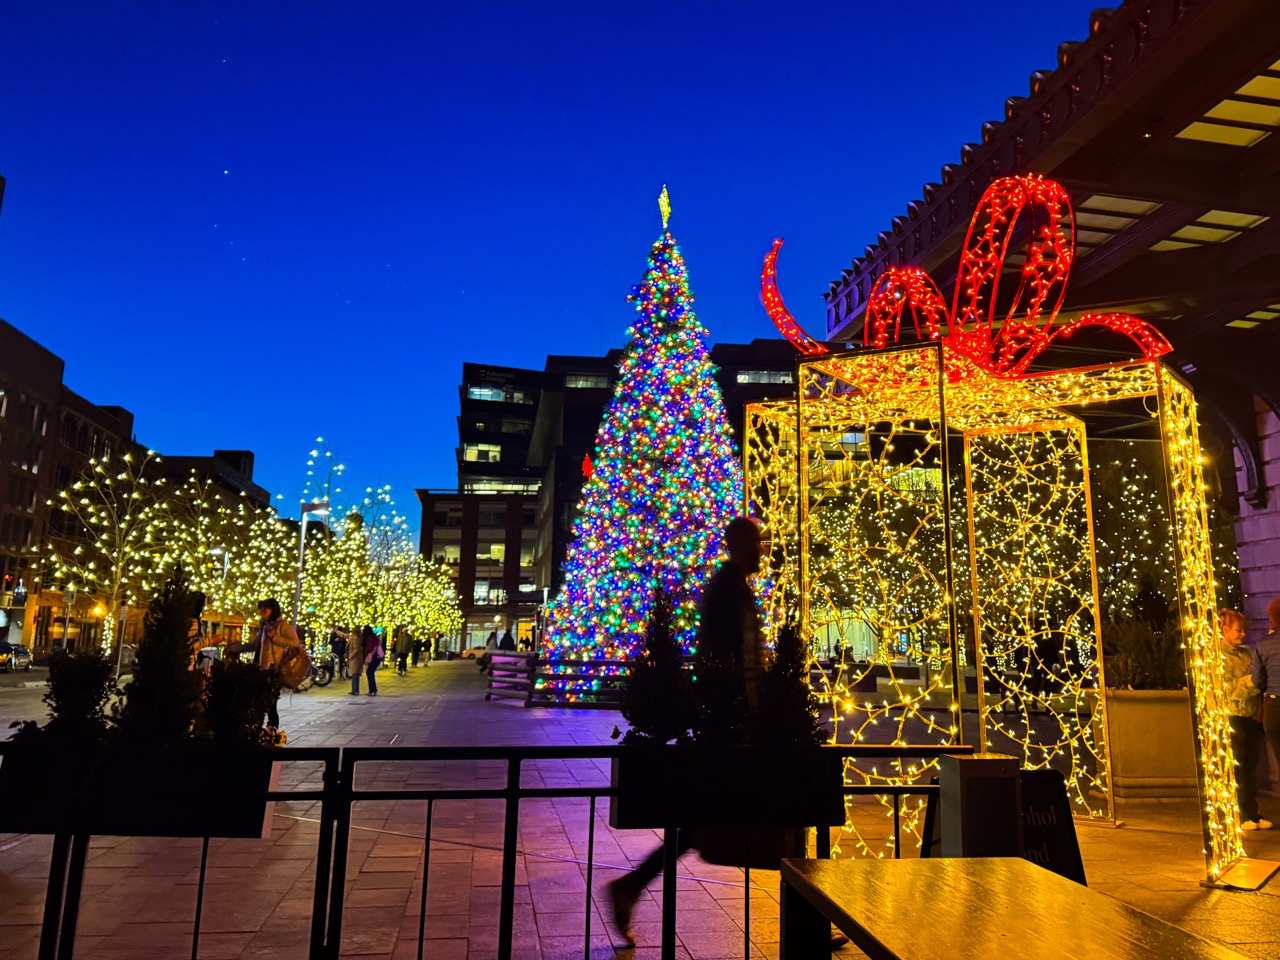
(273, 637)
(1266, 676)
(374, 655)
(490, 645)
(1243, 705)
(508, 642)
(729, 636)
(356, 654)
(402, 654)
(417, 651)
(338, 648)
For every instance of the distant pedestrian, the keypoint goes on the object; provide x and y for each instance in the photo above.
(356, 660)
(338, 648)
(1243, 703)
(1266, 676)
(508, 642)
(402, 654)
(373, 657)
(490, 645)
(271, 640)
(417, 651)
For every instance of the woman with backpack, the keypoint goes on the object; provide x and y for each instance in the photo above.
(373, 657)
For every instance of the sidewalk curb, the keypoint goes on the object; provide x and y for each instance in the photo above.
(33, 684)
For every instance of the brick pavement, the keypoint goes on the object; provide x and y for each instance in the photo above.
(140, 893)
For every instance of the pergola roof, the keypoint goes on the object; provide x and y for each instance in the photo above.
(1164, 125)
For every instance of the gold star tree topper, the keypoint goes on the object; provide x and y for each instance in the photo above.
(664, 204)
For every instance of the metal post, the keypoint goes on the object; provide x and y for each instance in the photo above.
(195, 933)
(343, 788)
(302, 546)
(670, 856)
(510, 837)
(426, 870)
(71, 903)
(591, 854)
(55, 891)
(324, 855)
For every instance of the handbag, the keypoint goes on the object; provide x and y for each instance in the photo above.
(295, 666)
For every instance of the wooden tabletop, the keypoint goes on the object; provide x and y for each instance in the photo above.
(982, 909)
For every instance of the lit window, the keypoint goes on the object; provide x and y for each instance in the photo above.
(765, 376)
(481, 452)
(586, 380)
(485, 393)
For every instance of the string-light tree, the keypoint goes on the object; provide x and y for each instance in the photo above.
(106, 539)
(664, 483)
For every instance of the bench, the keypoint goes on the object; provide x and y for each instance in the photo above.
(968, 909)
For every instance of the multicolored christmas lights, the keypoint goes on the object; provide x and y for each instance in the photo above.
(664, 481)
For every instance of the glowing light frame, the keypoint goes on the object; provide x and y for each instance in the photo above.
(931, 394)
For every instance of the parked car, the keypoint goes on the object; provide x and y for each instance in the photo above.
(471, 653)
(14, 656)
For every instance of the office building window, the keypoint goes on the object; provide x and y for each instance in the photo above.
(449, 554)
(486, 550)
(766, 376)
(498, 394)
(500, 486)
(493, 515)
(481, 452)
(529, 515)
(449, 515)
(586, 380)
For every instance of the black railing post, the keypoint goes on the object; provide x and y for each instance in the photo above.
(510, 838)
(195, 931)
(342, 791)
(324, 854)
(591, 856)
(426, 872)
(670, 857)
(71, 904)
(55, 891)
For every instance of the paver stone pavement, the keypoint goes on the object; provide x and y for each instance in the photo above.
(139, 894)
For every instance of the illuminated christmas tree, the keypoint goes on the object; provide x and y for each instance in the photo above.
(665, 480)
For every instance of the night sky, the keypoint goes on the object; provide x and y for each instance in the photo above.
(256, 223)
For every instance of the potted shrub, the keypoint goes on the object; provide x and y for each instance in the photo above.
(161, 765)
(1150, 737)
(658, 705)
(44, 776)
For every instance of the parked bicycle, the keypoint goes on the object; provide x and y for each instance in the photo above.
(322, 670)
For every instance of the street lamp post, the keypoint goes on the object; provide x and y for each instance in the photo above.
(321, 509)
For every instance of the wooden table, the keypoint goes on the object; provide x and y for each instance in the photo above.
(968, 909)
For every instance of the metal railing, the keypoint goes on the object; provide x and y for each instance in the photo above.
(340, 790)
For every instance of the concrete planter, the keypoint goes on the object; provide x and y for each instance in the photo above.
(1152, 744)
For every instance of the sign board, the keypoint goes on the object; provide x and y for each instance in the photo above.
(1048, 830)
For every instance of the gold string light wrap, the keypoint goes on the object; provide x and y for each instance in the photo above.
(931, 524)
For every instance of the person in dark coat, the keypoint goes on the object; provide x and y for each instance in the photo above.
(1266, 676)
(508, 642)
(729, 632)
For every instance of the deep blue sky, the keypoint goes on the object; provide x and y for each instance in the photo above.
(255, 223)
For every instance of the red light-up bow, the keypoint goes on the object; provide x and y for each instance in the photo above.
(1026, 330)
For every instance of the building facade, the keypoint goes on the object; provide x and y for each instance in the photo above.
(524, 440)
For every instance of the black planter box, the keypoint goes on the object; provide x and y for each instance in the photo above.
(726, 788)
(195, 792)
